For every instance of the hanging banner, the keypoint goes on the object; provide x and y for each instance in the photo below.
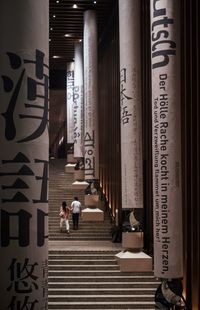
(70, 104)
(131, 104)
(78, 102)
(91, 135)
(166, 138)
(24, 71)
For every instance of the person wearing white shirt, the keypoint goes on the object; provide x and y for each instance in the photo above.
(76, 210)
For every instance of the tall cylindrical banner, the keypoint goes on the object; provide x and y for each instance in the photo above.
(166, 136)
(78, 102)
(130, 104)
(91, 136)
(70, 102)
(24, 153)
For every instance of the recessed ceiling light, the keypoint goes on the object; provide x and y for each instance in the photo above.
(80, 40)
(56, 56)
(54, 16)
(51, 28)
(49, 40)
(95, 2)
(75, 6)
(57, 1)
(67, 35)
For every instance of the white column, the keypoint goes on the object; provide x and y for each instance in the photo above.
(70, 103)
(130, 101)
(24, 154)
(78, 102)
(91, 137)
(166, 138)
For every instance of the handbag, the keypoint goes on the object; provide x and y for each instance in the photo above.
(61, 214)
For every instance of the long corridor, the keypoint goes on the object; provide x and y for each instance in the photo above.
(83, 270)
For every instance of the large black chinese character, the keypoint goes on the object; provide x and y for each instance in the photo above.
(14, 88)
(124, 109)
(41, 227)
(44, 178)
(25, 305)
(23, 228)
(45, 278)
(21, 274)
(18, 183)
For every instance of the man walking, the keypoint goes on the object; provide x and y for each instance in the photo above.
(76, 210)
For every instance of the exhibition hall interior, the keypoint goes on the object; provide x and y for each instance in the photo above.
(99, 172)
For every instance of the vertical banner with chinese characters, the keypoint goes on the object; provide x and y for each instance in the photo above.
(166, 138)
(24, 154)
(78, 102)
(70, 102)
(131, 104)
(91, 136)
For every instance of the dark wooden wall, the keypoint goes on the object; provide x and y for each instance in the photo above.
(109, 116)
(190, 37)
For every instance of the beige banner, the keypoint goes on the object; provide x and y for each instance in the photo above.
(78, 102)
(166, 138)
(91, 136)
(70, 102)
(24, 154)
(131, 104)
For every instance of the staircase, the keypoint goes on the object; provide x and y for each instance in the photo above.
(83, 271)
(92, 280)
(60, 190)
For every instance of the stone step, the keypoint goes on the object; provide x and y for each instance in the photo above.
(103, 285)
(102, 305)
(104, 298)
(84, 262)
(54, 306)
(99, 279)
(104, 291)
(91, 273)
(76, 238)
(84, 268)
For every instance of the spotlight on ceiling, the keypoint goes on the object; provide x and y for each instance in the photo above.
(75, 6)
(67, 35)
(56, 56)
(54, 16)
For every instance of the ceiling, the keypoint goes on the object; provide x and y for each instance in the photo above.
(66, 20)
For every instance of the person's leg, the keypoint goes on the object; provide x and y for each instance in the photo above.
(67, 225)
(74, 220)
(61, 221)
(77, 220)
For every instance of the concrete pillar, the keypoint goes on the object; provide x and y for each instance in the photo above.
(91, 137)
(70, 102)
(166, 136)
(78, 102)
(131, 104)
(24, 153)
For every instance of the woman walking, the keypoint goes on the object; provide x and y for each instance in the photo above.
(64, 216)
